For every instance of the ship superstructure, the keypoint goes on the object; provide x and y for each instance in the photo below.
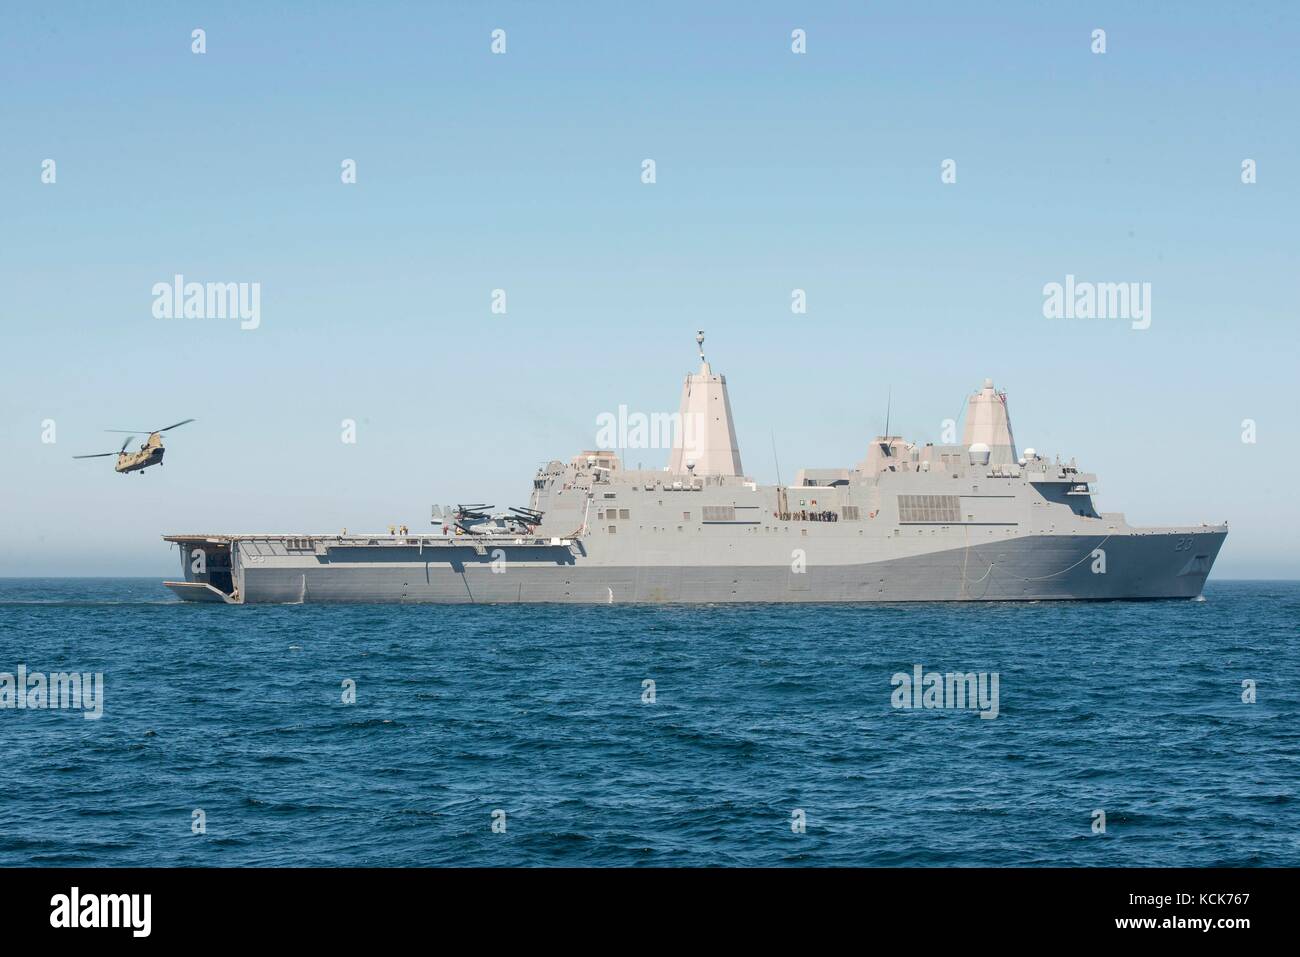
(973, 521)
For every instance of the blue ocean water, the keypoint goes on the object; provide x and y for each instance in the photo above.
(537, 711)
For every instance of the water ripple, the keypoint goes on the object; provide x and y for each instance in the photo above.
(519, 735)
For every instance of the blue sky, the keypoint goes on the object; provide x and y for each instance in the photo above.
(521, 171)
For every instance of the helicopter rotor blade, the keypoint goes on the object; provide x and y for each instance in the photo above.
(128, 441)
(152, 431)
(97, 455)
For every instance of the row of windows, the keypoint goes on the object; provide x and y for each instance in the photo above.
(613, 530)
(610, 514)
(756, 529)
(727, 513)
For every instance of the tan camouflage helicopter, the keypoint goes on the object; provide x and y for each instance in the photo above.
(151, 453)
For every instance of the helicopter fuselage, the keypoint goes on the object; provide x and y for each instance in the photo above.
(151, 453)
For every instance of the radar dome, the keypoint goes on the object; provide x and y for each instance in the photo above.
(979, 454)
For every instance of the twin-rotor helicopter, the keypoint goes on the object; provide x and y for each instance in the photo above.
(150, 453)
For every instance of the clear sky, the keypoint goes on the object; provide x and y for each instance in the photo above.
(522, 172)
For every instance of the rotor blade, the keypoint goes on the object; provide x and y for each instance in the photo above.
(129, 440)
(152, 431)
(97, 455)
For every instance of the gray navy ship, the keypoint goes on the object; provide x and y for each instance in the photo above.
(977, 521)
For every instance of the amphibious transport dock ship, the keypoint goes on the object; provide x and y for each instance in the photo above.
(977, 521)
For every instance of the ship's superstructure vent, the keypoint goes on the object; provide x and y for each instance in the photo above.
(944, 509)
(719, 513)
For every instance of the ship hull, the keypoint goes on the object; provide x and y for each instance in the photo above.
(1162, 564)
